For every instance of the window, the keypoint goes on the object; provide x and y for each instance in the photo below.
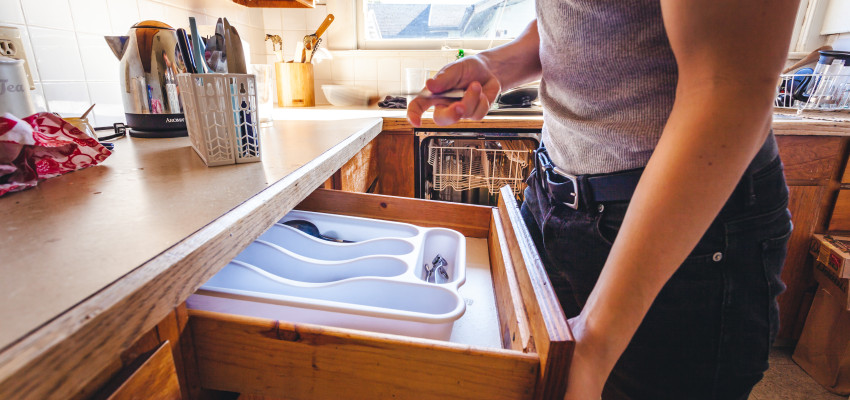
(431, 24)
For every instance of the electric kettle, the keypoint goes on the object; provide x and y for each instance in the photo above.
(150, 62)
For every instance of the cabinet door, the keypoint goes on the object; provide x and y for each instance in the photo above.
(156, 378)
(797, 274)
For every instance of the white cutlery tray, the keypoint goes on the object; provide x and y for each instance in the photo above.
(374, 284)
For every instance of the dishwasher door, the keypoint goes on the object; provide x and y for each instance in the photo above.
(471, 166)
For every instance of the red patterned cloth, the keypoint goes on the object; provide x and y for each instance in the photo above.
(42, 146)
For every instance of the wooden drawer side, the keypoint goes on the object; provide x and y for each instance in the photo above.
(549, 330)
(469, 220)
(513, 320)
(303, 361)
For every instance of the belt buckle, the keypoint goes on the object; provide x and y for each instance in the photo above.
(572, 178)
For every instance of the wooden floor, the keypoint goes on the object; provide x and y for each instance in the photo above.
(785, 380)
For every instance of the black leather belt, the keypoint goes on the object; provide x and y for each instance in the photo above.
(585, 191)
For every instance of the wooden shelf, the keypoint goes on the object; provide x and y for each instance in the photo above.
(276, 3)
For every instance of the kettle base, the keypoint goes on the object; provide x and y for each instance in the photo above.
(158, 134)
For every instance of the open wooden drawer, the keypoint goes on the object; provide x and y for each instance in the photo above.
(303, 361)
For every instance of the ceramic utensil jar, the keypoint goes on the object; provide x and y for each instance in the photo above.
(14, 88)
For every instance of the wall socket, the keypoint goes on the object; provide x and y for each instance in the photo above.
(12, 46)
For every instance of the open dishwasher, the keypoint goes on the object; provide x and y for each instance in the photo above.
(471, 166)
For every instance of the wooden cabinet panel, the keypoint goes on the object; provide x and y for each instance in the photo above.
(811, 160)
(396, 164)
(840, 220)
(155, 379)
(804, 204)
(358, 173)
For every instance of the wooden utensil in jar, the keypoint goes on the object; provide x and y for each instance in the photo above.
(311, 40)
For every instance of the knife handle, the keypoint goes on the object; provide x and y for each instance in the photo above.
(325, 24)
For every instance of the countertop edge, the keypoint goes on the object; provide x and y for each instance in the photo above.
(83, 339)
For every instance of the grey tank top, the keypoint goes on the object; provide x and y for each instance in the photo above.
(608, 85)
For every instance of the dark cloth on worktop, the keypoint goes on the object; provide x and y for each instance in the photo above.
(708, 333)
(393, 102)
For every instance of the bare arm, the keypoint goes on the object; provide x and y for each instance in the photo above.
(483, 76)
(729, 55)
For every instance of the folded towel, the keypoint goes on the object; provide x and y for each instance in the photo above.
(42, 146)
(393, 102)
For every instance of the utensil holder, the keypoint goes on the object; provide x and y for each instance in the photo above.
(221, 117)
(375, 283)
(295, 85)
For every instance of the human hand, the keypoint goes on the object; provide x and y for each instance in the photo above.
(471, 74)
(588, 373)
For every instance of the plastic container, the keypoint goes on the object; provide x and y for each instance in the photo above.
(345, 96)
(221, 117)
(826, 89)
(376, 283)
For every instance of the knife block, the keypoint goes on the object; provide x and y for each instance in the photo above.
(295, 85)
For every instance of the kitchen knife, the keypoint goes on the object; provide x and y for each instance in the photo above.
(198, 50)
(236, 55)
(186, 51)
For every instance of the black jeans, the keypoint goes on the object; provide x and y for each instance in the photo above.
(709, 331)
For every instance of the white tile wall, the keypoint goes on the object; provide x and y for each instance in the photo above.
(12, 13)
(57, 55)
(71, 63)
(91, 16)
(99, 63)
(54, 14)
(67, 98)
(122, 15)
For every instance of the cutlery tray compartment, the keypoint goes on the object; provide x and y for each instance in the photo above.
(377, 282)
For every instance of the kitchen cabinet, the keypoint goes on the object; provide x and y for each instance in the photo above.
(813, 168)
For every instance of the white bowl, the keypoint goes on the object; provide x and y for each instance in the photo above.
(341, 95)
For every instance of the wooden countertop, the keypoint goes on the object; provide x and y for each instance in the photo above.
(101, 241)
(785, 121)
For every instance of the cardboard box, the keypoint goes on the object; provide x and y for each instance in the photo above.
(823, 350)
(834, 252)
(830, 267)
(824, 347)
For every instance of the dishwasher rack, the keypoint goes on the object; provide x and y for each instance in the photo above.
(466, 168)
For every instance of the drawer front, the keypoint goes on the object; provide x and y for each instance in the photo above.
(303, 361)
(811, 160)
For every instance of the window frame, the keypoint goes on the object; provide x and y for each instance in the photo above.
(416, 44)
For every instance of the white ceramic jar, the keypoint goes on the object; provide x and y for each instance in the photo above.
(14, 88)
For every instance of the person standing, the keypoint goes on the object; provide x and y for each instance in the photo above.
(658, 202)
